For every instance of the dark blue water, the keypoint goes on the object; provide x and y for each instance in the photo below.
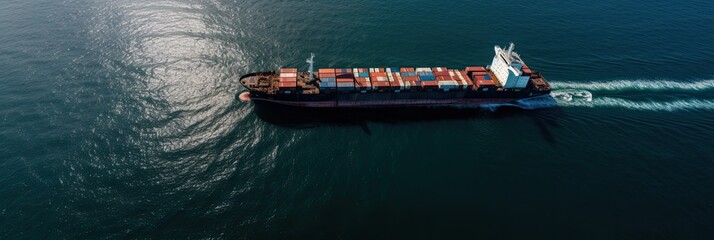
(118, 119)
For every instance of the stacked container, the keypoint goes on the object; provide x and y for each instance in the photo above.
(328, 80)
(467, 83)
(288, 80)
(470, 70)
(482, 80)
(427, 78)
(410, 78)
(440, 71)
(445, 80)
(380, 81)
(396, 81)
(360, 72)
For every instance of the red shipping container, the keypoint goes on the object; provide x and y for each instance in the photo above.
(445, 78)
(527, 71)
(469, 82)
(444, 73)
(381, 85)
(345, 80)
(288, 70)
(487, 83)
(326, 70)
(430, 84)
(476, 69)
(288, 79)
(439, 69)
(287, 84)
(327, 75)
(411, 78)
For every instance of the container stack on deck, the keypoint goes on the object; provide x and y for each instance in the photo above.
(328, 80)
(345, 80)
(395, 79)
(410, 78)
(379, 79)
(481, 78)
(288, 80)
(403, 79)
(427, 78)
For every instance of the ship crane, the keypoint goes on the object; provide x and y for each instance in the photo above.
(311, 61)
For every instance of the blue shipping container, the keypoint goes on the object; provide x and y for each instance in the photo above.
(522, 82)
(363, 74)
(427, 78)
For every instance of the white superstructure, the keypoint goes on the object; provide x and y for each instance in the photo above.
(507, 66)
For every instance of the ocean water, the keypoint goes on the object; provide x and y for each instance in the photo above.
(119, 119)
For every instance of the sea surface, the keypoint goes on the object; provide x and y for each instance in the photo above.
(119, 120)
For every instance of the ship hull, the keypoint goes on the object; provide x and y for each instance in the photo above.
(394, 99)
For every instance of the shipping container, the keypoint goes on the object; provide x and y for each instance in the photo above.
(327, 75)
(288, 70)
(468, 83)
(427, 78)
(345, 86)
(287, 84)
(423, 69)
(430, 84)
(482, 83)
(408, 74)
(407, 69)
(345, 79)
(343, 70)
(326, 71)
(288, 75)
(443, 73)
(381, 85)
(476, 69)
(396, 81)
(328, 79)
(439, 69)
(328, 85)
(448, 85)
(527, 71)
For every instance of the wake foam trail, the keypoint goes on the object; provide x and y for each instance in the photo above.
(648, 85)
(528, 104)
(580, 98)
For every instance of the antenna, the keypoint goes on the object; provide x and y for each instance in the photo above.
(311, 61)
(511, 46)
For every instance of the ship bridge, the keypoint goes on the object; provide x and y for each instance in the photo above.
(508, 67)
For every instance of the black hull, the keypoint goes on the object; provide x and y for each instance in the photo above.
(395, 99)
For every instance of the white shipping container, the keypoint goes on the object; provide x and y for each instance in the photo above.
(464, 84)
(448, 85)
(423, 69)
(288, 75)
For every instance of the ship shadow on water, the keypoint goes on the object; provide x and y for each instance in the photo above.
(302, 118)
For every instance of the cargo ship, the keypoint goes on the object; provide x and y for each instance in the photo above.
(506, 80)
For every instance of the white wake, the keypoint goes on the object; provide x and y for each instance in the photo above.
(638, 85)
(582, 98)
